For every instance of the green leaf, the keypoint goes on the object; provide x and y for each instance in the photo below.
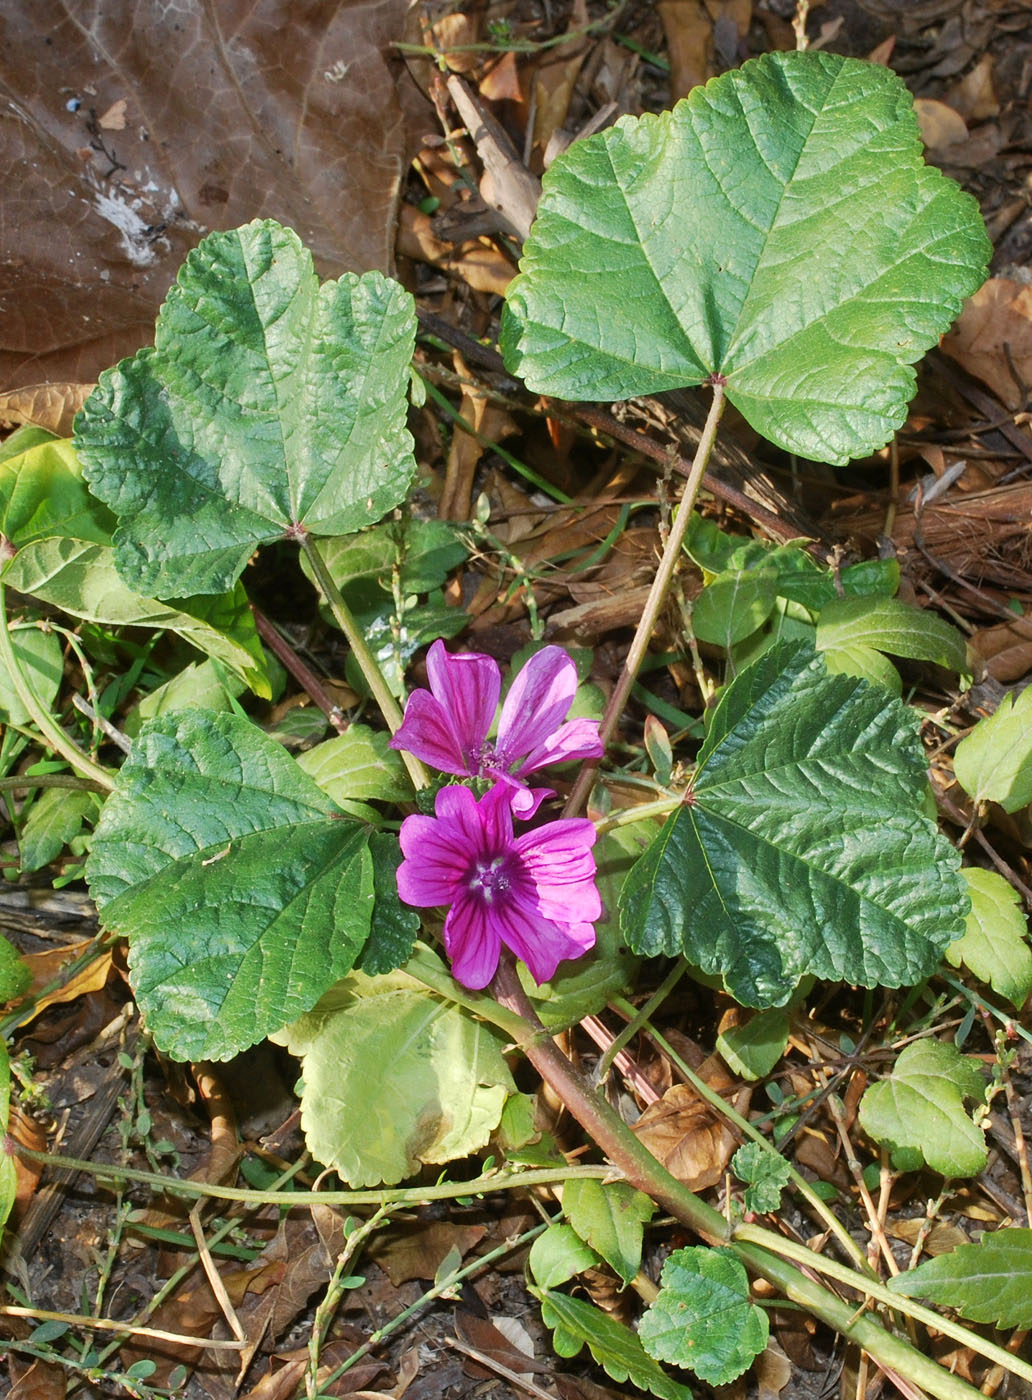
(268, 405)
(15, 978)
(395, 1078)
(703, 1318)
(887, 624)
(43, 496)
(358, 766)
(753, 1049)
(80, 578)
(615, 1347)
(765, 1173)
(919, 1108)
(55, 819)
(39, 656)
(986, 1282)
(63, 537)
(994, 762)
(609, 1216)
(864, 662)
(243, 892)
(801, 847)
(558, 1255)
(733, 606)
(423, 552)
(995, 944)
(201, 685)
(779, 228)
(394, 926)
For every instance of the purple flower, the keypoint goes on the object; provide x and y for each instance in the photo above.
(448, 725)
(535, 893)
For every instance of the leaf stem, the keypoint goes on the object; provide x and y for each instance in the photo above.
(759, 1249)
(874, 1288)
(403, 1196)
(52, 733)
(52, 780)
(654, 602)
(726, 1110)
(367, 662)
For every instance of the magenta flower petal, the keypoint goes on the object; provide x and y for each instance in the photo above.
(537, 703)
(541, 943)
(534, 893)
(467, 685)
(576, 739)
(447, 725)
(472, 940)
(428, 732)
(560, 869)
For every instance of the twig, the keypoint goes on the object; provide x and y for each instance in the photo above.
(656, 598)
(303, 674)
(116, 736)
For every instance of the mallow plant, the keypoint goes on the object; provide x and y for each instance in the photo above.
(405, 905)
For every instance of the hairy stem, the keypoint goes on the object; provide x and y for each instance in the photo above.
(654, 602)
(367, 662)
(760, 1250)
(53, 735)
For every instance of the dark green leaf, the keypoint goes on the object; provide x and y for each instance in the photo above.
(243, 892)
(268, 404)
(703, 1318)
(615, 1347)
(986, 1282)
(801, 847)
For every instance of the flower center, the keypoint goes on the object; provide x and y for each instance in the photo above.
(489, 758)
(490, 878)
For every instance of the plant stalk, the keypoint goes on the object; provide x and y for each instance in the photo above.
(757, 1248)
(51, 732)
(367, 662)
(654, 602)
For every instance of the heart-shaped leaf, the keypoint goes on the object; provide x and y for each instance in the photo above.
(918, 1111)
(243, 891)
(779, 229)
(268, 405)
(394, 1077)
(703, 1317)
(801, 847)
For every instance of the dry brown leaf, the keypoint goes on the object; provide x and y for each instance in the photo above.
(771, 1371)
(686, 1135)
(35, 1380)
(941, 1239)
(1006, 649)
(485, 1336)
(556, 78)
(694, 30)
(994, 332)
(490, 424)
(940, 125)
(260, 108)
(50, 406)
(689, 35)
(974, 97)
(418, 1252)
(47, 965)
(26, 1131)
(453, 34)
(814, 1150)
